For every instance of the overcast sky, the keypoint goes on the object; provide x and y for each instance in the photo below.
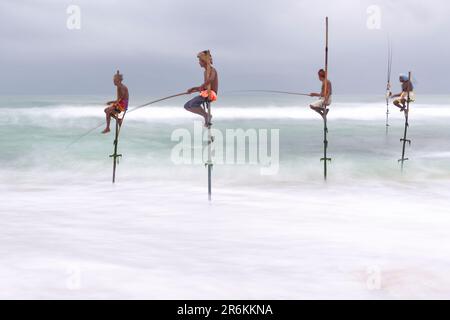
(273, 44)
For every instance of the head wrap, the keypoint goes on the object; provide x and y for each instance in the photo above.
(205, 56)
(118, 75)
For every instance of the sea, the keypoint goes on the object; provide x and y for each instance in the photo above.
(274, 228)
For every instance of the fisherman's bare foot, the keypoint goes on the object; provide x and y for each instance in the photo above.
(319, 110)
(208, 123)
(324, 113)
(106, 130)
(316, 109)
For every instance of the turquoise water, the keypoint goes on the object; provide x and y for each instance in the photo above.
(37, 132)
(283, 236)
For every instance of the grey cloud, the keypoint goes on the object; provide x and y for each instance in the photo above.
(271, 44)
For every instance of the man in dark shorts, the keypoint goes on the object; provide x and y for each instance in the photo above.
(211, 81)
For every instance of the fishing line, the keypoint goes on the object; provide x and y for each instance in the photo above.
(273, 91)
(134, 109)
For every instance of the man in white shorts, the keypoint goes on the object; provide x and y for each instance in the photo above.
(407, 90)
(320, 106)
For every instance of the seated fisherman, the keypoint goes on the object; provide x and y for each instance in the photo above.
(407, 90)
(117, 106)
(211, 81)
(320, 106)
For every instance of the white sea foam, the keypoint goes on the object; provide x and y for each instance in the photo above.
(339, 111)
(162, 240)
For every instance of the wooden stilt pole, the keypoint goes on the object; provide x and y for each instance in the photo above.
(209, 164)
(325, 158)
(388, 86)
(115, 156)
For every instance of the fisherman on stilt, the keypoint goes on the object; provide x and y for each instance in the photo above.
(403, 102)
(321, 105)
(210, 79)
(116, 107)
(407, 91)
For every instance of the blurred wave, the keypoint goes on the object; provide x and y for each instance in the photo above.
(36, 134)
(339, 111)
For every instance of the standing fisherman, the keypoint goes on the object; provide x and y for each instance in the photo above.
(407, 91)
(320, 106)
(210, 79)
(118, 106)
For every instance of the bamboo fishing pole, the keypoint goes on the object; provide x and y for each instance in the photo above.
(275, 91)
(404, 140)
(116, 156)
(118, 128)
(325, 158)
(139, 107)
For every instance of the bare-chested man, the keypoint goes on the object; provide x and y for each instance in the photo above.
(115, 107)
(407, 88)
(320, 106)
(195, 105)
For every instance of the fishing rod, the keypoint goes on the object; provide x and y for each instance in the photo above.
(159, 100)
(325, 158)
(388, 86)
(275, 91)
(404, 140)
(117, 156)
(139, 107)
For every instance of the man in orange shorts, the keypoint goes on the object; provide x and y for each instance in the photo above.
(210, 79)
(117, 106)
